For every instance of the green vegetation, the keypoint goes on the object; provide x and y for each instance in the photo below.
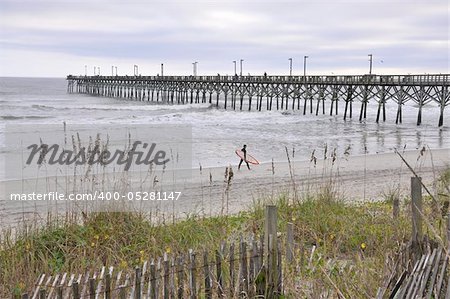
(355, 244)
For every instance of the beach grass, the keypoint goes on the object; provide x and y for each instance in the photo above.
(341, 248)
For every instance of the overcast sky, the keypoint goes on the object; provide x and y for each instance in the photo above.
(56, 38)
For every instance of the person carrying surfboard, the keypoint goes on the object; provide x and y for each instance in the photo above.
(244, 150)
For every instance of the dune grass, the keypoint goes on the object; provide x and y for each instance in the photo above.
(340, 247)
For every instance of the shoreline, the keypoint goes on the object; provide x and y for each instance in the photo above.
(353, 178)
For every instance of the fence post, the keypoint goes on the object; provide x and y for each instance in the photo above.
(290, 243)
(416, 203)
(271, 248)
(270, 225)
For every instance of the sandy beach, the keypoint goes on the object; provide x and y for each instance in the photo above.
(354, 178)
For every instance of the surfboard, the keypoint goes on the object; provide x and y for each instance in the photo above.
(250, 158)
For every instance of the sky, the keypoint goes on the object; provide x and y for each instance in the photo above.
(61, 37)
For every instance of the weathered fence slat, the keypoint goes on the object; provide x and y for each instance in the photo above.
(118, 278)
(279, 272)
(172, 277)
(219, 277)
(232, 279)
(411, 287)
(427, 272)
(42, 293)
(290, 242)
(108, 286)
(137, 283)
(143, 275)
(192, 275)
(441, 276)
(92, 288)
(100, 283)
(59, 292)
(243, 273)
(166, 277)
(251, 271)
(434, 273)
(69, 285)
(53, 287)
(38, 285)
(207, 277)
(84, 284)
(75, 290)
(416, 203)
(180, 277)
(122, 292)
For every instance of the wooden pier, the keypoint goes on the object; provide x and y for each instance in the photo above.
(312, 94)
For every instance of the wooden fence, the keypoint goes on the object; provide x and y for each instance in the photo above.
(253, 268)
(422, 266)
(427, 279)
(250, 268)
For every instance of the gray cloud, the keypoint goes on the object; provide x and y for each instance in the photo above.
(409, 36)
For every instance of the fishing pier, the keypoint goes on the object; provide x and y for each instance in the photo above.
(310, 94)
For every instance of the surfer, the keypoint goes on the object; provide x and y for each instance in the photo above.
(244, 150)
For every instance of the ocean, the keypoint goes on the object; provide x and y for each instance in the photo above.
(216, 133)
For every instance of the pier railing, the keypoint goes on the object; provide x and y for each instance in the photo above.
(340, 79)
